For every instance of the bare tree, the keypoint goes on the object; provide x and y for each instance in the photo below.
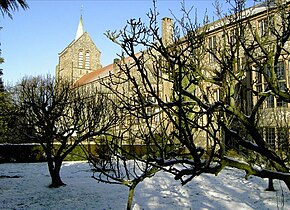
(120, 157)
(60, 117)
(200, 80)
(162, 81)
(115, 165)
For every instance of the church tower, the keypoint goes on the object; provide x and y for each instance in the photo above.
(80, 57)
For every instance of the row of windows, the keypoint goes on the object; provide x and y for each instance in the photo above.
(84, 63)
(264, 28)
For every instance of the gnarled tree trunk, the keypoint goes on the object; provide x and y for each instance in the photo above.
(54, 170)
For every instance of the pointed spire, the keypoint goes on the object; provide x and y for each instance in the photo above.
(80, 30)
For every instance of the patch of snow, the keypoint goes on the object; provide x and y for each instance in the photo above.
(228, 190)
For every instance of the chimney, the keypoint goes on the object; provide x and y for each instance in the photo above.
(115, 64)
(167, 31)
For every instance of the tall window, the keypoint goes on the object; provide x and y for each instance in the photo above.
(157, 115)
(270, 101)
(280, 71)
(88, 60)
(259, 88)
(261, 84)
(216, 95)
(212, 48)
(258, 77)
(265, 25)
(81, 59)
(280, 101)
(280, 74)
(288, 70)
(283, 138)
(232, 37)
(270, 136)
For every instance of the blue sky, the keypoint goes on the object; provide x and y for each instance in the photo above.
(31, 42)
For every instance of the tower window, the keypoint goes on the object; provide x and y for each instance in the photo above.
(81, 59)
(87, 63)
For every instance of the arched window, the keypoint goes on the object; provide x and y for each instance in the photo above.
(81, 59)
(88, 60)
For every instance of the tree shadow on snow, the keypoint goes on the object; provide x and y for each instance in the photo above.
(228, 190)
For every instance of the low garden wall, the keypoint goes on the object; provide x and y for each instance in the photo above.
(34, 153)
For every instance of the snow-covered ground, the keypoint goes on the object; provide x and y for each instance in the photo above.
(229, 190)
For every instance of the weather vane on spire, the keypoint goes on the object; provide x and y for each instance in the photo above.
(82, 9)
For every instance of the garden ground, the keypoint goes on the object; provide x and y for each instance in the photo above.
(25, 186)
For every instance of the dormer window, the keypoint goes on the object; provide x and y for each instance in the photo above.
(81, 59)
(88, 60)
